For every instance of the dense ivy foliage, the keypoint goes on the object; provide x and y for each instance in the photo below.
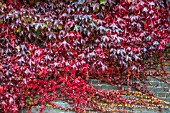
(50, 50)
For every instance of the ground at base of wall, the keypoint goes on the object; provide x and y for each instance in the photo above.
(65, 104)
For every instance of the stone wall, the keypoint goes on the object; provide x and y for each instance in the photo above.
(160, 89)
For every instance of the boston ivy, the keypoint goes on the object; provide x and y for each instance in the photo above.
(50, 50)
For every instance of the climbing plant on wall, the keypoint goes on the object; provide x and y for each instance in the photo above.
(50, 50)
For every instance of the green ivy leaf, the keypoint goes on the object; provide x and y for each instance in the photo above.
(44, 25)
(38, 32)
(102, 1)
(75, 26)
(95, 21)
(28, 100)
(19, 29)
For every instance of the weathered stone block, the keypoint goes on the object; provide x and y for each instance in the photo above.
(97, 86)
(161, 95)
(108, 87)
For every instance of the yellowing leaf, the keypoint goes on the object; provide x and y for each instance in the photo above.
(18, 48)
(60, 27)
(48, 105)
